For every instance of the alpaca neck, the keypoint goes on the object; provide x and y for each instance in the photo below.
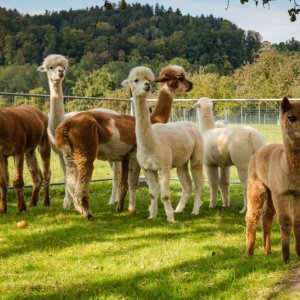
(143, 130)
(163, 106)
(57, 110)
(206, 120)
(292, 154)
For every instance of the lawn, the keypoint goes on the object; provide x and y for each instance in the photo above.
(60, 255)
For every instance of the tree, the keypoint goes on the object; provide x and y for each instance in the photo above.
(295, 10)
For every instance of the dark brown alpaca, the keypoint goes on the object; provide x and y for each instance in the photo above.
(274, 174)
(22, 130)
(90, 135)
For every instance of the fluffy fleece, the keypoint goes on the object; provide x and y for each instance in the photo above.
(224, 147)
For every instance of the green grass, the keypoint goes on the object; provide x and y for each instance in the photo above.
(60, 255)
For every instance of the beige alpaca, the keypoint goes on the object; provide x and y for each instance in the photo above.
(224, 147)
(93, 134)
(161, 147)
(274, 174)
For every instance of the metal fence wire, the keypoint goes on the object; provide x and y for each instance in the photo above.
(262, 114)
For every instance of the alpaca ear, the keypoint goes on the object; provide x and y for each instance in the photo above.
(285, 105)
(41, 69)
(125, 82)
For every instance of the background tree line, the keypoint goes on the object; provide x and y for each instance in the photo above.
(223, 60)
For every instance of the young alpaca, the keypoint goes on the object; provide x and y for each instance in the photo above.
(161, 147)
(274, 174)
(93, 134)
(22, 130)
(224, 147)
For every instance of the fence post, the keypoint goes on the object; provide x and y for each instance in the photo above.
(132, 111)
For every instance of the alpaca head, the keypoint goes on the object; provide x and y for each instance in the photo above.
(290, 119)
(55, 66)
(139, 81)
(174, 78)
(204, 106)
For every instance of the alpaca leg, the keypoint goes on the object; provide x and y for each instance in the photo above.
(243, 174)
(67, 199)
(133, 182)
(283, 210)
(19, 181)
(267, 220)
(36, 175)
(123, 185)
(296, 223)
(166, 195)
(213, 180)
(224, 183)
(186, 184)
(81, 192)
(198, 178)
(256, 195)
(3, 183)
(116, 168)
(45, 153)
(153, 183)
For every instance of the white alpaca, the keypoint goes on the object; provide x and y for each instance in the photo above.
(55, 66)
(224, 147)
(161, 147)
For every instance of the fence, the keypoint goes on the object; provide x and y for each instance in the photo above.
(263, 114)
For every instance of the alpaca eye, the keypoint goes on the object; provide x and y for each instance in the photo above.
(292, 119)
(51, 68)
(181, 78)
(136, 80)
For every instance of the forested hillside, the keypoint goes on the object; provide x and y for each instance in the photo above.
(103, 45)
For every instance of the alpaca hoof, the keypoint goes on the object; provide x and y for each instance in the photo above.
(22, 209)
(119, 209)
(212, 206)
(151, 217)
(171, 221)
(47, 203)
(32, 203)
(243, 211)
(178, 211)
(90, 217)
(67, 203)
(226, 205)
(195, 213)
(132, 211)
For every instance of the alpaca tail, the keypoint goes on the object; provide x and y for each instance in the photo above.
(61, 140)
(257, 140)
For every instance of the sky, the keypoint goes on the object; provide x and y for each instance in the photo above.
(272, 23)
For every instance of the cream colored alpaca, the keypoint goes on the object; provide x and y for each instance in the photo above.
(224, 147)
(56, 65)
(161, 147)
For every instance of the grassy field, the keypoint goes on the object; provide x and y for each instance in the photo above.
(60, 255)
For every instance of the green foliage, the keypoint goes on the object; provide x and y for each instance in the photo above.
(95, 84)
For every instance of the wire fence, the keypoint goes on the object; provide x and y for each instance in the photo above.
(262, 114)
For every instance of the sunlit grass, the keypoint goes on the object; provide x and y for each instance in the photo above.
(60, 255)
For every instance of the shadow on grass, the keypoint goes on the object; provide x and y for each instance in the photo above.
(198, 276)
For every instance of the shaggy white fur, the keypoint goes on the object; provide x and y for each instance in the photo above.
(161, 147)
(224, 147)
(55, 65)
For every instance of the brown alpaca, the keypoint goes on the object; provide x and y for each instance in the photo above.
(274, 174)
(22, 130)
(90, 135)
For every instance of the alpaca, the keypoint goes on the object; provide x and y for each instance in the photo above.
(94, 134)
(224, 147)
(55, 66)
(161, 147)
(22, 130)
(171, 79)
(274, 174)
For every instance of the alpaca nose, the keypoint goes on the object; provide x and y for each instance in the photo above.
(147, 86)
(61, 73)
